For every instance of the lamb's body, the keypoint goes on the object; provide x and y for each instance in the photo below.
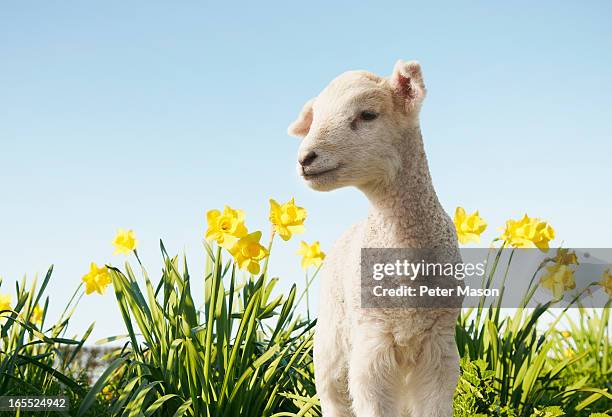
(382, 362)
(391, 361)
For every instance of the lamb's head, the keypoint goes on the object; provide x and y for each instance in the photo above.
(353, 129)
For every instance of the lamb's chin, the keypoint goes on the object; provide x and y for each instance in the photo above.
(322, 182)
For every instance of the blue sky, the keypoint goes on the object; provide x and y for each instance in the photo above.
(144, 115)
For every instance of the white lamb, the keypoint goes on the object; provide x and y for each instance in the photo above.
(363, 130)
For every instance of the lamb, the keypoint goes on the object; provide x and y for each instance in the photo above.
(363, 130)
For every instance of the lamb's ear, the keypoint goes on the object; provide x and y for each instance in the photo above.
(407, 81)
(300, 127)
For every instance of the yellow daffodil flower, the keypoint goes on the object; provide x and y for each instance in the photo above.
(558, 278)
(287, 218)
(311, 254)
(565, 333)
(606, 282)
(565, 257)
(469, 227)
(97, 279)
(107, 392)
(36, 314)
(568, 353)
(5, 302)
(225, 228)
(528, 233)
(248, 252)
(125, 241)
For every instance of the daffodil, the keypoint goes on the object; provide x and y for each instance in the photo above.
(37, 313)
(287, 218)
(565, 257)
(5, 302)
(469, 227)
(97, 279)
(311, 254)
(565, 333)
(558, 279)
(606, 282)
(125, 241)
(35, 316)
(225, 228)
(528, 233)
(568, 353)
(248, 252)
(107, 392)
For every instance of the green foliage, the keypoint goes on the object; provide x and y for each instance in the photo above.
(548, 412)
(34, 361)
(587, 343)
(475, 395)
(245, 353)
(529, 368)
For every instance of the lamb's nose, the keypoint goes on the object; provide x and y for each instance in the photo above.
(308, 158)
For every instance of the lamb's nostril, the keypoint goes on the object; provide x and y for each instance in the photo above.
(308, 159)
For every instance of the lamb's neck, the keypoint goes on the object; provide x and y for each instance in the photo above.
(405, 210)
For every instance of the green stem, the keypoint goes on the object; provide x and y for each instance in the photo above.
(307, 296)
(265, 268)
(71, 300)
(308, 284)
(264, 273)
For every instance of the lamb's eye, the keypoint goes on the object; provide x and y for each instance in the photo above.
(368, 115)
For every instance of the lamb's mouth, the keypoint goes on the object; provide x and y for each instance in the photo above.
(318, 174)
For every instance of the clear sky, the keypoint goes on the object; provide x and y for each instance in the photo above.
(144, 114)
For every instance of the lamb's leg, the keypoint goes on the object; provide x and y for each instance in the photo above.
(331, 374)
(333, 395)
(374, 374)
(432, 384)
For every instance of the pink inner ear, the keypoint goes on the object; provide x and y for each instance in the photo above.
(405, 85)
